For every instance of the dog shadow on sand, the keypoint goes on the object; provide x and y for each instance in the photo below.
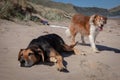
(104, 48)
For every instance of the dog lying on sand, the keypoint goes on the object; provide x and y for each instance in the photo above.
(45, 48)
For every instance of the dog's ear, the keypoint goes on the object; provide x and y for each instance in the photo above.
(20, 54)
(41, 53)
(92, 19)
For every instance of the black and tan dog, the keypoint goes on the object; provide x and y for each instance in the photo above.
(47, 47)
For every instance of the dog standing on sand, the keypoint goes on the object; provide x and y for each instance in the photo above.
(87, 26)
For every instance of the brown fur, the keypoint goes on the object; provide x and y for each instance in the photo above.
(80, 24)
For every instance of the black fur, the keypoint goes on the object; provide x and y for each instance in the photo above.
(46, 42)
(49, 48)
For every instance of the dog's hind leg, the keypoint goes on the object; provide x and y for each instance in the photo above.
(59, 63)
(82, 38)
(73, 32)
(57, 59)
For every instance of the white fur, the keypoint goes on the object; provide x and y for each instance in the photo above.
(93, 33)
(53, 59)
(92, 37)
(29, 63)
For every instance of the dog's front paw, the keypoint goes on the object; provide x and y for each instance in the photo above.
(63, 70)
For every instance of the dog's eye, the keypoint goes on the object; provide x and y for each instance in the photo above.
(31, 54)
(21, 54)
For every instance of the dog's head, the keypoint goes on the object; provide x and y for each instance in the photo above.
(28, 57)
(98, 20)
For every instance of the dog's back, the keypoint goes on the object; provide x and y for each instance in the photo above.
(82, 23)
(48, 41)
(80, 19)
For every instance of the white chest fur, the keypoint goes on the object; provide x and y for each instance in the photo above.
(93, 33)
(93, 30)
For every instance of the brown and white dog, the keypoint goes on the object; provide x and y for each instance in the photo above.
(87, 26)
(45, 48)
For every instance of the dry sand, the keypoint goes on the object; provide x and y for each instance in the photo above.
(94, 66)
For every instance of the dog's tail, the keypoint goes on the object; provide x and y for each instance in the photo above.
(69, 47)
(68, 33)
(73, 45)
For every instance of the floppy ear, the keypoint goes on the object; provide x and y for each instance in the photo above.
(20, 54)
(92, 19)
(40, 52)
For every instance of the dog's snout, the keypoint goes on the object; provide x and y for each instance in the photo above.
(22, 63)
(102, 25)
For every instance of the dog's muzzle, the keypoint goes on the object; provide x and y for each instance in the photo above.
(24, 63)
(101, 28)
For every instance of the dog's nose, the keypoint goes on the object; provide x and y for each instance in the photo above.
(102, 25)
(22, 63)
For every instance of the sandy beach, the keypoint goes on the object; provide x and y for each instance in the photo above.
(92, 66)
